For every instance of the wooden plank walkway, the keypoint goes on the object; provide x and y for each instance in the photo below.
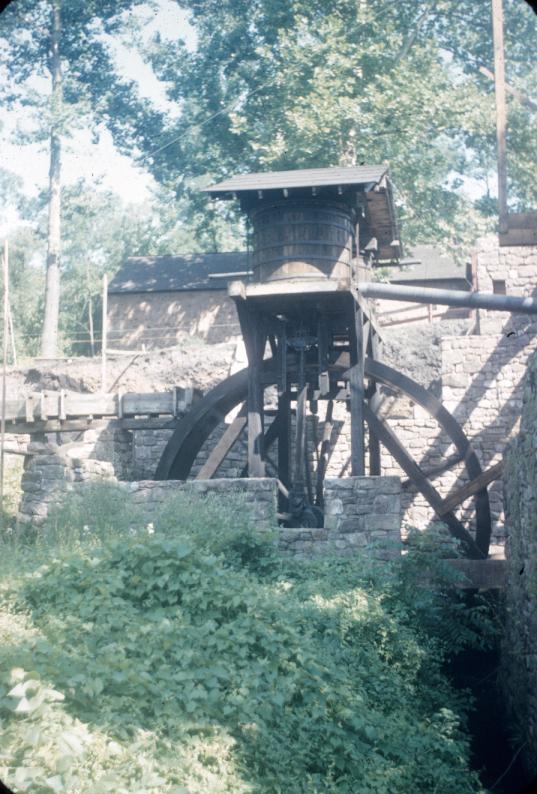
(66, 410)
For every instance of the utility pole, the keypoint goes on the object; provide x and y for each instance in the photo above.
(5, 269)
(501, 113)
(104, 333)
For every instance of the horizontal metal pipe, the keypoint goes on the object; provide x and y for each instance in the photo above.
(449, 297)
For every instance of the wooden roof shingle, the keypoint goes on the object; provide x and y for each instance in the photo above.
(305, 177)
(177, 273)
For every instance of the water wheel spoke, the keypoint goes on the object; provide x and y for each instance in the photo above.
(386, 435)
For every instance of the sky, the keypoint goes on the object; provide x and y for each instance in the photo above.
(80, 156)
(100, 162)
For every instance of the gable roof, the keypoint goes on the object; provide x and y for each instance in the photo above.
(434, 265)
(177, 273)
(304, 177)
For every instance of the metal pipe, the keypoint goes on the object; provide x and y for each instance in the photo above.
(449, 297)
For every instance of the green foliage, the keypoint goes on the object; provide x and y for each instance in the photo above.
(272, 85)
(171, 656)
(115, 229)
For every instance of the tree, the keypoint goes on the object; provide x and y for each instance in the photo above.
(325, 82)
(67, 44)
(116, 230)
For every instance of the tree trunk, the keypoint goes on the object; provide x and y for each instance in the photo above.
(49, 338)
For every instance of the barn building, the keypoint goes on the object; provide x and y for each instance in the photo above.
(154, 300)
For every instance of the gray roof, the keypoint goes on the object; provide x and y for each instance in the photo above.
(307, 177)
(176, 273)
(435, 265)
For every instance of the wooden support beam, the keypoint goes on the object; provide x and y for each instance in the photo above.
(356, 384)
(284, 438)
(523, 98)
(224, 445)
(366, 308)
(375, 464)
(254, 335)
(501, 112)
(471, 488)
(300, 439)
(434, 471)
(412, 470)
(324, 454)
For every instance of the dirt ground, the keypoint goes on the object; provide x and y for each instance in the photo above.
(192, 362)
(415, 350)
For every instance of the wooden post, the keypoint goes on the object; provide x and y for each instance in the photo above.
(5, 270)
(356, 383)
(254, 336)
(501, 114)
(12, 335)
(284, 438)
(375, 462)
(104, 339)
(90, 310)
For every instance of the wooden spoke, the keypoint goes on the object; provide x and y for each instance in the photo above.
(224, 445)
(411, 468)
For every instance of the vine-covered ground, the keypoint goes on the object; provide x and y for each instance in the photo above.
(183, 654)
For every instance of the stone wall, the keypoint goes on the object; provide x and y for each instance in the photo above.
(513, 268)
(519, 658)
(359, 512)
(102, 452)
(148, 446)
(259, 496)
(481, 386)
(53, 471)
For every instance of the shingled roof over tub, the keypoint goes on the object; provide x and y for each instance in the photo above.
(179, 273)
(305, 177)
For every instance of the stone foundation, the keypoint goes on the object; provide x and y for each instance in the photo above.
(359, 512)
(519, 657)
(259, 496)
(51, 473)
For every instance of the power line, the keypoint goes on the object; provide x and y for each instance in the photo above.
(207, 120)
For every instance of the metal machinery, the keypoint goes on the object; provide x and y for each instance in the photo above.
(311, 337)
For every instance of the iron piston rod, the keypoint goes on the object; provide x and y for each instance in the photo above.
(449, 297)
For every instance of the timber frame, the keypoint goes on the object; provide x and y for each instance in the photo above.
(315, 342)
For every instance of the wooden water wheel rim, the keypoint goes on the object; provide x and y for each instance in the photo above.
(195, 428)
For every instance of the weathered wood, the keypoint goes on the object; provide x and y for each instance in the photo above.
(104, 335)
(366, 308)
(238, 289)
(523, 220)
(523, 98)
(434, 471)
(224, 445)
(324, 454)
(519, 237)
(254, 335)
(300, 438)
(375, 467)
(356, 384)
(471, 488)
(412, 470)
(305, 238)
(79, 425)
(284, 438)
(501, 111)
(323, 344)
(49, 405)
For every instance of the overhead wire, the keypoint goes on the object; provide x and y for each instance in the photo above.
(243, 97)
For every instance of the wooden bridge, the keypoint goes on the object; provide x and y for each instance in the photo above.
(66, 411)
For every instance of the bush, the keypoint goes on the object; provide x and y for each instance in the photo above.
(176, 658)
